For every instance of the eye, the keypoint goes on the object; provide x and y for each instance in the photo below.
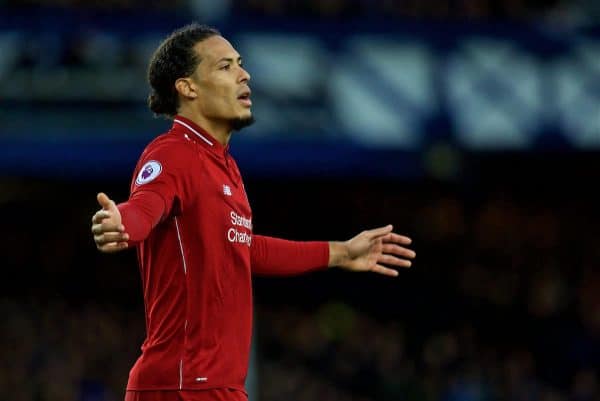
(225, 67)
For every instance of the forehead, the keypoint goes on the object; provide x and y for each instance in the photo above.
(215, 48)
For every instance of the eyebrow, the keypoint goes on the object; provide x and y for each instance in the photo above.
(228, 59)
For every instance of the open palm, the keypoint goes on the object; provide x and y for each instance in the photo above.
(375, 250)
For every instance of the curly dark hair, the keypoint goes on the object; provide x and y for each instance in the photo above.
(173, 59)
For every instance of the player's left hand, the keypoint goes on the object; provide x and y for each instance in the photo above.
(376, 250)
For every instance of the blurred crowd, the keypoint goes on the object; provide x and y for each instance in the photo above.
(313, 356)
(53, 350)
(338, 9)
(503, 302)
(426, 9)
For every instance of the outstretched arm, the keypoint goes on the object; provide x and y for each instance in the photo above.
(374, 250)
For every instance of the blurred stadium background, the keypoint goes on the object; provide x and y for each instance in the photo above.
(472, 125)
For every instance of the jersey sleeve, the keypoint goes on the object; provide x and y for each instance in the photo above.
(279, 257)
(162, 170)
(158, 188)
(140, 214)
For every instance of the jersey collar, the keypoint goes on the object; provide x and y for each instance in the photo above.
(194, 132)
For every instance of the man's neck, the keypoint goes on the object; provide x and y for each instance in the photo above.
(218, 131)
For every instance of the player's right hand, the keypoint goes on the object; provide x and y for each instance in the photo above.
(109, 233)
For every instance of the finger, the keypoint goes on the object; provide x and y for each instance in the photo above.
(101, 215)
(111, 237)
(106, 227)
(397, 250)
(397, 239)
(112, 247)
(105, 201)
(394, 261)
(378, 232)
(386, 271)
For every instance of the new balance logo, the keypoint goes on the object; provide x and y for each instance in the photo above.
(226, 190)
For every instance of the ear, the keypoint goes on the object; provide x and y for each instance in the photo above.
(186, 88)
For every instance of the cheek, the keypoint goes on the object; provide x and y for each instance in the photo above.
(220, 96)
(213, 98)
(217, 97)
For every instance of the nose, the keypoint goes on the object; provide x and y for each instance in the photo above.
(244, 76)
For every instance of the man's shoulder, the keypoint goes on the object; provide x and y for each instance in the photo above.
(170, 143)
(169, 138)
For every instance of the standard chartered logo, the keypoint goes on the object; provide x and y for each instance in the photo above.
(241, 230)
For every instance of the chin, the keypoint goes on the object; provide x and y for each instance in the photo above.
(241, 122)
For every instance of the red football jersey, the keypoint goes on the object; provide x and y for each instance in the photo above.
(196, 263)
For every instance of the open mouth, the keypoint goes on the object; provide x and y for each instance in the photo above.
(244, 98)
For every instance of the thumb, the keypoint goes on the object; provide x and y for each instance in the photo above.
(105, 201)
